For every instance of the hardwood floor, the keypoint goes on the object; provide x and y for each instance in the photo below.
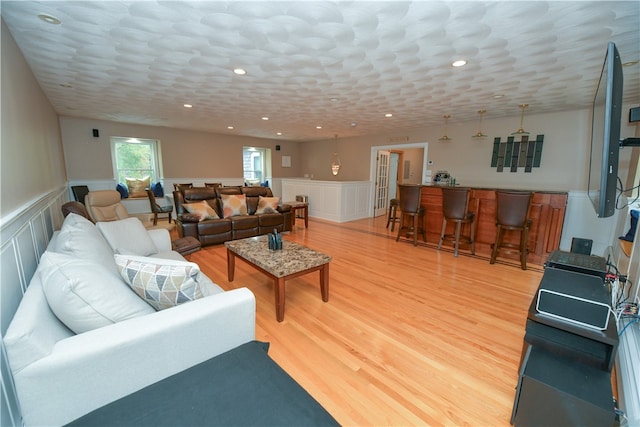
(410, 335)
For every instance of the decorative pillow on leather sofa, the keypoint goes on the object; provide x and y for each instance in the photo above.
(160, 282)
(86, 295)
(267, 204)
(138, 187)
(234, 204)
(202, 210)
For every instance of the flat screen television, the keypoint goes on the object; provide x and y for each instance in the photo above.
(605, 135)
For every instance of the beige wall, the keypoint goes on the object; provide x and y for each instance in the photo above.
(415, 157)
(32, 161)
(185, 154)
(564, 164)
(191, 154)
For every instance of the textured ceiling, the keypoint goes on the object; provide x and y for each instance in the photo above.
(140, 61)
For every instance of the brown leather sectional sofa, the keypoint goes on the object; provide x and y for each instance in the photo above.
(214, 231)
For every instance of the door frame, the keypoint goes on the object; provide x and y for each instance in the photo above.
(394, 147)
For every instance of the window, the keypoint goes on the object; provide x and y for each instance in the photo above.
(253, 164)
(135, 158)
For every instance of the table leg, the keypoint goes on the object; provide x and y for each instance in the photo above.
(306, 216)
(293, 219)
(231, 265)
(324, 282)
(279, 289)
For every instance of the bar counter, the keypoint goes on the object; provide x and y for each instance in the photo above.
(546, 212)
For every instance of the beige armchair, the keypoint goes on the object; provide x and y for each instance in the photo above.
(105, 205)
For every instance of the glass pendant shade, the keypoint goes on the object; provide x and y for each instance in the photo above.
(521, 130)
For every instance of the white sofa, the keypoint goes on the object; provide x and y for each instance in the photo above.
(61, 375)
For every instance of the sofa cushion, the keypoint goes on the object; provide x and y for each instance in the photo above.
(128, 237)
(234, 204)
(162, 283)
(202, 210)
(85, 295)
(267, 204)
(80, 237)
(138, 187)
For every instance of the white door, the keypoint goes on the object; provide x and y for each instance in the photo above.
(382, 183)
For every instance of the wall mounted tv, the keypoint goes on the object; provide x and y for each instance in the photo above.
(605, 135)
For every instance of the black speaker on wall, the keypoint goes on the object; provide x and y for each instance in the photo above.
(96, 133)
(634, 114)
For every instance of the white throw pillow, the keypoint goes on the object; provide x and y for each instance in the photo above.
(128, 237)
(79, 237)
(85, 295)
(162, 283)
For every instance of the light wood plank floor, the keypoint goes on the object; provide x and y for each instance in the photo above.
(410, 335)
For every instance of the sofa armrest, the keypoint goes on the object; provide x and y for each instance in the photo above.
(161, 239)
(284, 208)
(90, 370)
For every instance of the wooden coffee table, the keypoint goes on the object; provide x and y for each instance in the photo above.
(292, 261)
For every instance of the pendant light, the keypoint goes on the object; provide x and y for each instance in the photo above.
(479, 134)
(446, 121)
(335, 160)
(521, 130)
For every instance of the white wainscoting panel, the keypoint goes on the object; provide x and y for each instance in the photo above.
(337, 201)
(24, 236)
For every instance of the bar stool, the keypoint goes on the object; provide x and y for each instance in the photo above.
(393, 213)
(410, 207)
(455, 208)
(512, 214)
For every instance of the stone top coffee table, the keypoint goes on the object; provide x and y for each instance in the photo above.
(292, 261)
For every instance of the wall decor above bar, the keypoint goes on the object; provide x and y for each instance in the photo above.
(513, 154)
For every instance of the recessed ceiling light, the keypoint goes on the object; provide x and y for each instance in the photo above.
(629, 63)
(353, 124)
(318, 127)
(188, 106)
(459, 63)
(388, 115)
(497, 96)
(265, 118)
(230, 127)
(239, 71)
(279, 133)
(66, 85)
(333, 99)
(49, 19)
